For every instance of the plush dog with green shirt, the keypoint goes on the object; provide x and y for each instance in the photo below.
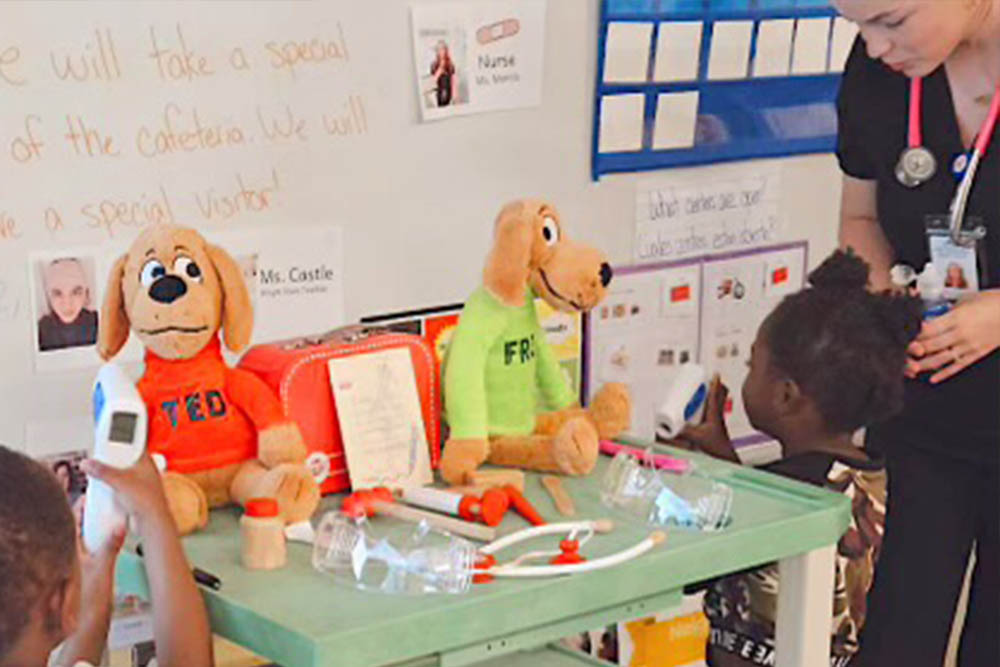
(499, 363)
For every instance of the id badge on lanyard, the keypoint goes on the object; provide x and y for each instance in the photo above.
(962, 265)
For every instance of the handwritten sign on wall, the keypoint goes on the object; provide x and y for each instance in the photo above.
(675, 219)
(204, 115)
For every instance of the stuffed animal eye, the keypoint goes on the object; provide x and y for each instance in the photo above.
(185, 266)
(550, 231)
(151, 270)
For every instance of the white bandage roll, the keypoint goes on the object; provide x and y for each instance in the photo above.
(685, 402)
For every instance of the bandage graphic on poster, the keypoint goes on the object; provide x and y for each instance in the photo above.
(706, 310)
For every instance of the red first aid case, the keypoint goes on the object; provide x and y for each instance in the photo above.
(297, 371)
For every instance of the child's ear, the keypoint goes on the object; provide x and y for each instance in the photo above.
(790, 398)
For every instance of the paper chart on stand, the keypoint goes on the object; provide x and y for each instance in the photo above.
(379, 412)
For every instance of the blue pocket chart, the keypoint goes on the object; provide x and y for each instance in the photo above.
(686, 82)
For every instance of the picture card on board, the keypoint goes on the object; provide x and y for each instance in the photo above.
(475, 57)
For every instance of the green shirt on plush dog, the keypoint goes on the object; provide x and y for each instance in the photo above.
(499, 362)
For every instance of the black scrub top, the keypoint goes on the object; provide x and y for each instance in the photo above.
(961, 416)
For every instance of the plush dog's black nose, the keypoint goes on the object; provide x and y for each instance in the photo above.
(606, 274)
(167, 289)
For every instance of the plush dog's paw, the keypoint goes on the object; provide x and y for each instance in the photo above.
(187, 502)
(611, 410)
(295, 489)
(462, 457)
(575, 447)
(281, 443)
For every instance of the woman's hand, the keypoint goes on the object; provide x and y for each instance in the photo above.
(711, 436)
(952, 342)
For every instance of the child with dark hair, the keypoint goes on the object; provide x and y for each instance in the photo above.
(827, 361)
(52, 591)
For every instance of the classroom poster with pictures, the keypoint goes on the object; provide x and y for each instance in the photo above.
(475, 57)
(705, 310)
(643, 331)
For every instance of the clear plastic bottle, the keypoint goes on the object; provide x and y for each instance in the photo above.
(930, 284)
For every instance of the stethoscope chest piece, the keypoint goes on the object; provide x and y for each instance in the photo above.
(916, 166)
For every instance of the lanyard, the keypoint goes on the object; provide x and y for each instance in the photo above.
(961, 200)
(917, 164)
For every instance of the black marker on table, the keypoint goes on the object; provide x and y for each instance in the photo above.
(200, 576)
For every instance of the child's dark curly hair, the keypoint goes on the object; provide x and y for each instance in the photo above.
(37, 541)
(843, 345)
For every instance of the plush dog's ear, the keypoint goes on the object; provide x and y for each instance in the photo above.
(237, 312)
(114, 325)
(508, 264)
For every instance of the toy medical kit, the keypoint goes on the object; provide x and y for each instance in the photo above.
(560, 497)
(689, 500)
(488, 508)
(262, 532)
(297, 371)
(522, 506)
(369, 502)
(119, 441)
(431, 562)
(658, 461)
(684, 403)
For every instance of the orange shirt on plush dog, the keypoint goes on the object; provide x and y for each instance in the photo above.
(220, 429)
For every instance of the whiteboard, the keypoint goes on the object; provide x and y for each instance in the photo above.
(416, 201)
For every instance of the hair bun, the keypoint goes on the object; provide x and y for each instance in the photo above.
(841, 271)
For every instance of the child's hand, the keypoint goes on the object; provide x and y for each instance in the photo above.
(97, 580)
(711, 436)
(98, 572)
(138, 490)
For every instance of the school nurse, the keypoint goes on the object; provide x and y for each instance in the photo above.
(921, 163)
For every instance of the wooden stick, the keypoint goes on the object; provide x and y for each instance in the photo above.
(561, 497)
(457, 526)
(498, 477)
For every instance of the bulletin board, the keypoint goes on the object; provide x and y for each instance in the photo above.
(686, 82)
(705, 310)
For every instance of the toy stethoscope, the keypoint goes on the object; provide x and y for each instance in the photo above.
(566, 561)
(917, 164)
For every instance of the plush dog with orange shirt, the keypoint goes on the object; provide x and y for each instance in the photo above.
(220, 429)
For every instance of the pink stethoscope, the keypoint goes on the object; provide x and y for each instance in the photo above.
(917, 164)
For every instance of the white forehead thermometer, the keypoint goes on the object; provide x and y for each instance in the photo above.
(685, 402)
(119, 440)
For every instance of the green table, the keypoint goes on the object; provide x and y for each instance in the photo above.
(298, 617)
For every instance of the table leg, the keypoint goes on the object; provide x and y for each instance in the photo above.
(805, 609)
